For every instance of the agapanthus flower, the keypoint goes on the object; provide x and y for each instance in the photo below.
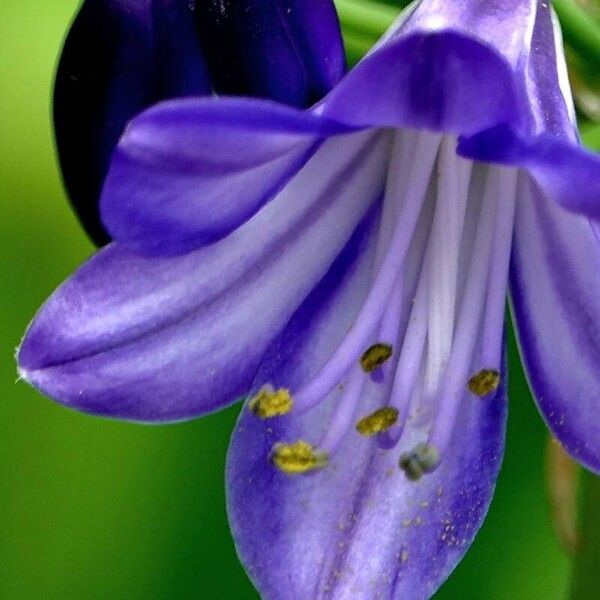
(345, 269)
(122, 56)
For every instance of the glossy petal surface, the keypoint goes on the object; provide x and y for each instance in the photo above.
(188, 172)
(554, 162)
(435, 60)
(556, 301)
(162, 339)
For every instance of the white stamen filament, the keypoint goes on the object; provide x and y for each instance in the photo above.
(445, 240)
(389, 330)
(411, 354)
(493, 321)
(345, 412)
(401, 163)
(469, 318)
(366, 322)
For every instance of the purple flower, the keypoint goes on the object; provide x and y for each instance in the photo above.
(346, 269)
(121, 56)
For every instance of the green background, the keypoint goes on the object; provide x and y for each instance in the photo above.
(105, 510)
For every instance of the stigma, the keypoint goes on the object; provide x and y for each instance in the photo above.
(298, 457)
(374, 356)
(422, 459)
(269, 403)
(380, 420)
(485, 382)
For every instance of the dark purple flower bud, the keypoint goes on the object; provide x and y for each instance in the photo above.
(286, 50)
(120, 56)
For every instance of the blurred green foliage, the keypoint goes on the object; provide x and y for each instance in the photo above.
(94, 509)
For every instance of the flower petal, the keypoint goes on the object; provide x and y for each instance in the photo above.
(358, 528)
(556, 304)
(546, 78)
(431, 65)
(287, 50)
(314, 27)
(163, 339)
(188, 172)
(119, 57)
(550, 150)
(441, 54)
(555, 163)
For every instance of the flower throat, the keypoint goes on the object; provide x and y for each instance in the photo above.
(434, 338)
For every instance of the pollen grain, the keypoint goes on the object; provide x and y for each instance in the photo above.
(269, 403)
(380, 420)
(484, 382)
(298, 457)
(424, 458)
(374, 356)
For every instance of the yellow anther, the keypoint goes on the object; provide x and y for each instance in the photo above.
(380, 420)
(484, 382)
(375, 356)
(270, 403)
(299, 457)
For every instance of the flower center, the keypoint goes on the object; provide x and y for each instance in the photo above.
(430, 328)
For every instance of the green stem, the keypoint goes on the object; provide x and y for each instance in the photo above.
(366, 18)
(580, 29)
(357, 45)
(585, 581)
(590, 135)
